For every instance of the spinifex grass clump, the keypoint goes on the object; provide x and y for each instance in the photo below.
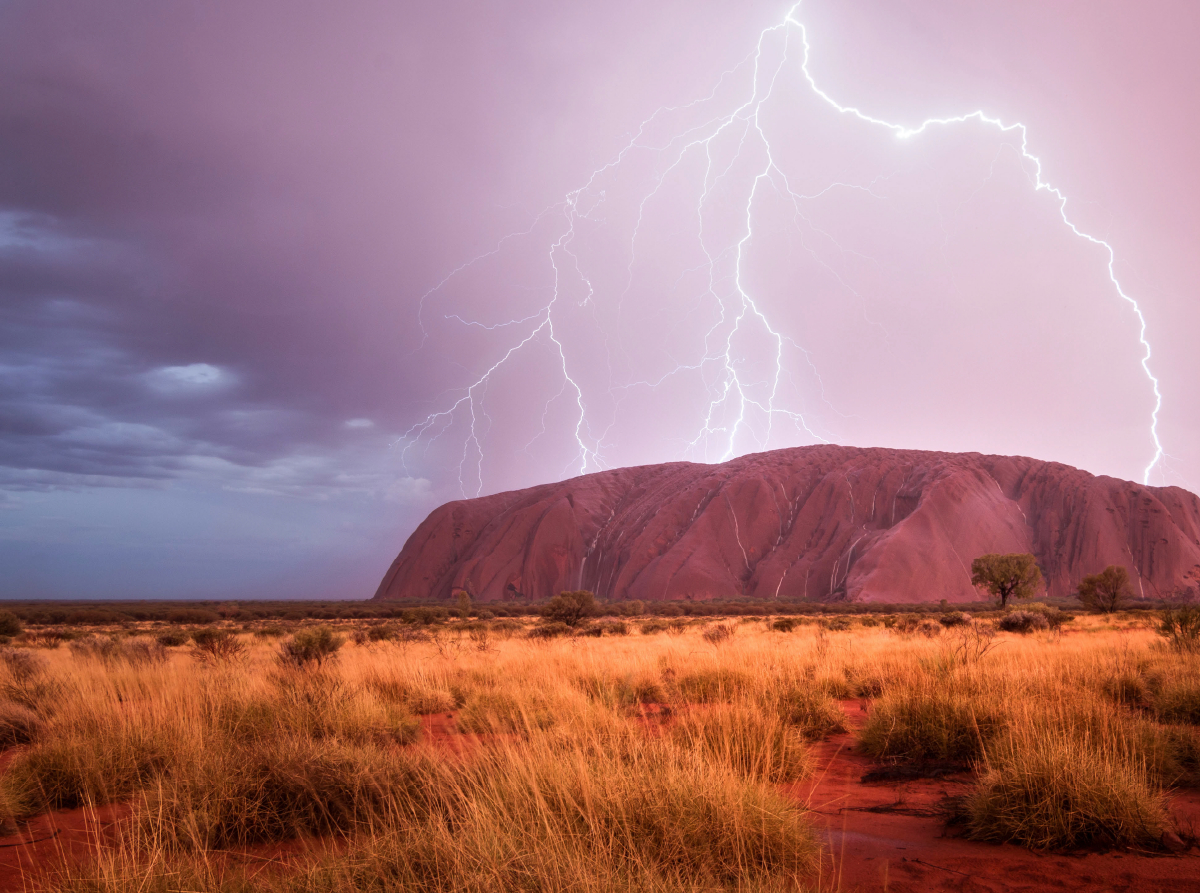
(1056, 791)
(805, 707)
(87, 760)
(930, 721)
(550, 814)
(748, 740)
(275, 789)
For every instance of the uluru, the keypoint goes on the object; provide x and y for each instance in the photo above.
(815, 523)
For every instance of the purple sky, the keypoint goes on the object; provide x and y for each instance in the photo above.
(218, 377)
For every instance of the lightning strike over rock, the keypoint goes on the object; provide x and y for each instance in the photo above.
(745, 381)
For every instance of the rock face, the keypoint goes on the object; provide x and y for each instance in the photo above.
(819, 523)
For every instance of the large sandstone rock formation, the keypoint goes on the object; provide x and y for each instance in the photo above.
(822, 523)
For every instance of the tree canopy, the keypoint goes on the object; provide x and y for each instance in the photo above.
(1016, 575)
(570, 608)
(1106, 591)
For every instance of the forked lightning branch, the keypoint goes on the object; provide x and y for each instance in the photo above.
(741, 407)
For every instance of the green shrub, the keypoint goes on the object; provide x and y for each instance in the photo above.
(313, 646)
(1181, 629)
(381, 632)
(1023, 622)
(784, 624)
(606, 628)
(172, 639)
(719, 633)
(954, 618)
(10, 624)
(571, 608)
(549, 630)
(217, 645)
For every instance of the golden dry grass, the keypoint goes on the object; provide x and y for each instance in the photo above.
(564, 784)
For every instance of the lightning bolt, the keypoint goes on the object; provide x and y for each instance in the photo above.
(741, 411)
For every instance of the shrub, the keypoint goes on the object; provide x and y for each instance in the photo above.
(142, 651)
(929, 628)
(172, 639)
(1106, 591)
(10, 624)
(192, 616)
(1181, 628)
(217, 645)
(954, 618)
(1060, 793)
(837, 624)
(549, 630)
(1023, 622)
(571, 608)
(22, 665)
(719, 633)
(784, 624)
(606, 628)
(310, 646)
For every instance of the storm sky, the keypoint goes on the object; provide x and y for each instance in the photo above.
(256, 259)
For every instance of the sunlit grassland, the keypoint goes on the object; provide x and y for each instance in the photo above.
(643, 761)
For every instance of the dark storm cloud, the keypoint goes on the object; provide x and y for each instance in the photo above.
(136, 238)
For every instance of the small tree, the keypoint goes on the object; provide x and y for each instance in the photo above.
(1007, 576)
(10, 624)
(464, 604)
(1106, 591)
(571, 608)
